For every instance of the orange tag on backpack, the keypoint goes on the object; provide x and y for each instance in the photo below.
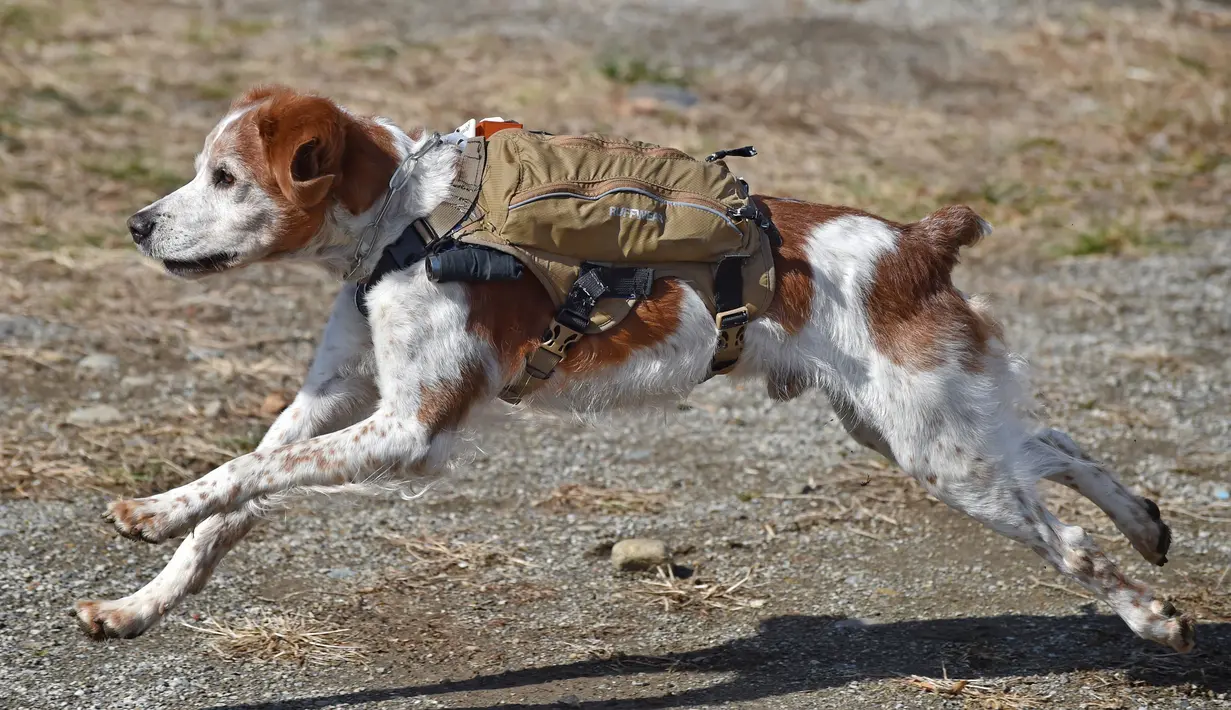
(486, 129)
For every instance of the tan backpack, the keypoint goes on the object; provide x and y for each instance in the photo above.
(598, 219)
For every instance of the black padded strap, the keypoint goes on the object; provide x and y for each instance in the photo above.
(729, 284)
(732, 314)
(407, 249)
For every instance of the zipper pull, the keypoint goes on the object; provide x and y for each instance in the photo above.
(745, 152)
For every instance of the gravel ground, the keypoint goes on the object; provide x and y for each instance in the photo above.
(855, 580)
(1127, 356)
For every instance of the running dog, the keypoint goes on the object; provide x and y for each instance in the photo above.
(864, 310)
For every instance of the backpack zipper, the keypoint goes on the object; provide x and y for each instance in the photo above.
(588, 198)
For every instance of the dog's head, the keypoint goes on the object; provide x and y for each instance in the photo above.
(272, 173)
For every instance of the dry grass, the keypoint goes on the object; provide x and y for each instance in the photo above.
(1207, 596)
(696, 592)
(1105, 134)
(296, 639)
(600, 499)
(435, 557)
(1106, 129)
(977, 694)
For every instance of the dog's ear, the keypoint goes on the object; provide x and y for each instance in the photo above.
(304, 139)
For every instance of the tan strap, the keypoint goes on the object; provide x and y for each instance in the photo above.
(539, 364)
(463, 193)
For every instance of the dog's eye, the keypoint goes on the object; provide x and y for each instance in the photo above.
(223, 179)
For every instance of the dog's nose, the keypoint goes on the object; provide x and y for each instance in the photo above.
(141, 226)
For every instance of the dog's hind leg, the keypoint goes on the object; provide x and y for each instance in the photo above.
(1138, 518)
(998, 487)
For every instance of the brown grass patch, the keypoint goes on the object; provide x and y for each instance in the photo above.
(436, 557)
(600, 499)
(697, 592)
(295, 639)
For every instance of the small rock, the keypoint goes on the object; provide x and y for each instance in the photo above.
(341, 573)
(854, 624)
(96, 415)
(212, 409)
(570, 701)
(196, 353)
(639, 554)
(134, 381)
(274, 403)
(638, 455)
(98, 362)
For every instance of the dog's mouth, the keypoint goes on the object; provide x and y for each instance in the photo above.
(204, 265)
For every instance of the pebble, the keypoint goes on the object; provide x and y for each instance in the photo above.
(639, 554)
(96, 415)
(134, 381)
(197, 353)
(341, 573)
(274, 403)
(212, 409)
(98, 362)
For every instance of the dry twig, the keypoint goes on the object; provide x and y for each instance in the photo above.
(676, 593)
(976, 694)
(434, 556)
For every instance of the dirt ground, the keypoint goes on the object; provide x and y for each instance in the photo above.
(809, 573)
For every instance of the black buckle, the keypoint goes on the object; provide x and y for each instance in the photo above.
(750, 211)
(573, 319)
(732, 319)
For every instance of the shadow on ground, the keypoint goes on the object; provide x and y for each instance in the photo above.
(792, 654)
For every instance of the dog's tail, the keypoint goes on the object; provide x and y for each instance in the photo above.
(948, 229)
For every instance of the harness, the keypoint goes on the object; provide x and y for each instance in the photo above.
(606, 218)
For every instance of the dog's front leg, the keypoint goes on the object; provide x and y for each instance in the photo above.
(431, 370)
(339, 389)
(386, 445)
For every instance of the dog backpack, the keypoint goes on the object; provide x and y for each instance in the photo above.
(597, 220)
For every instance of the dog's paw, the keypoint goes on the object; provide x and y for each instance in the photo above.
(150, 519)
(120, 619)
(1179, 630)
(1150, 536)
(1161, 622)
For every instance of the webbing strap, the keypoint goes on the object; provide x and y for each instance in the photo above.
(596, 282)
(732, 317)
(463, 193)
(421, 235)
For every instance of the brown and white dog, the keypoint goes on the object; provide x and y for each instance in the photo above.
(865, 311)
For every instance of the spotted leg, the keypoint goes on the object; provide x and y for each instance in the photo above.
(1136, 517)
(1003, 496)
(337, 390)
